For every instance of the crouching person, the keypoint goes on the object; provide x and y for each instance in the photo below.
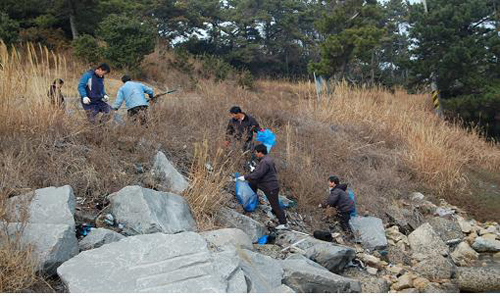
(265, 178)
(339, 199)
(132, 93)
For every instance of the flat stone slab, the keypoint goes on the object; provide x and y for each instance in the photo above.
(231, 219)
(228, 236)
(156, 263)
(53, 243)
(263, 273)
(369, 231)
(306, 276)
(332, 257)
(51, 205)
(143, 211)
(99, 237)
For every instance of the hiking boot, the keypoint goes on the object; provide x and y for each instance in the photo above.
(282, 227)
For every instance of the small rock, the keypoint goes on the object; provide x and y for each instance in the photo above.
(397, 270)
(417, 196)
(420, 283)
(374, 285)
(490, 229)
(372, 270)
(471, 238)
(486, 245)
(409, 291)
(444, 212)
(436, 268)
(98, 237)
(490, 236)
(464, 225)
(166, 173)
(405, 281)
(464, 252)
(371, 260)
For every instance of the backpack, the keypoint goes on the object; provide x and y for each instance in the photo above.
(352, 196)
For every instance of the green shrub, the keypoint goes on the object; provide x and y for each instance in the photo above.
(9, 29)
(87, 48)
(127, 39)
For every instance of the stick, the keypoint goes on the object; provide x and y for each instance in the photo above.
(294, 244)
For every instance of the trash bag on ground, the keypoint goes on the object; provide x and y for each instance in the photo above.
(352, 196)
(245, 195)
(266, 137)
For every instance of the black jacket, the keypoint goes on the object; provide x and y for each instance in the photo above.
(265, 175)
(55, 95)
(244, 129)
(339, 199)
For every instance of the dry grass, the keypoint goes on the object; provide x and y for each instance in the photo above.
(384, 145)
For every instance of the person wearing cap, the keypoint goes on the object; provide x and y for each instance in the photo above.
(265, 178)
(339, 199)
(132, 92)
(93, 94)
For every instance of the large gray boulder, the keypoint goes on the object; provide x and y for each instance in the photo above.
(143, 211)
(52, 244)
(231, 219)
(228, 265)
(263, 273)
(436, 268)
(167, 174)
(306, 276)
(369, 231)
(486, 245)
(332, 257)
(426, 242)
(448, 229)
(98, 237)
(228, 236)
(478, 279)
(406, 219)
(51, 205)
(158, 263)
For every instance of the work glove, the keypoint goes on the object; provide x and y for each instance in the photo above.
(86, 100)
(240, 178)
(105, 98)
(320, 206)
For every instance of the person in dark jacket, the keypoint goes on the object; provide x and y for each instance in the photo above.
(339, 199)
(55, 95)
(241, 127)
(93, 94)
(265, 178)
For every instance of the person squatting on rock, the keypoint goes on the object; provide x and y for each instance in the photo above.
(93, 94)
(339, 199)
(265, 178)
(55, 94)
(132, 93)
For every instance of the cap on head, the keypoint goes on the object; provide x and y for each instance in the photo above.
(126, 78)
(235, 110)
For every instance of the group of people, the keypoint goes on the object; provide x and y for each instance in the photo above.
(94, 98)
(241, 128)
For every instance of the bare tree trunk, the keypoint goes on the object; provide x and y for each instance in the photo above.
(74, 30)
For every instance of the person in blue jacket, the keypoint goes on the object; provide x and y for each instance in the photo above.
(93, 94)
(132, 93)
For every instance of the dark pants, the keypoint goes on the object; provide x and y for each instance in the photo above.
(344, 221)
(138, 113)
(95, 107)
(272, 196)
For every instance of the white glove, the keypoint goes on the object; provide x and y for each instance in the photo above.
(86, 100)
(105, 98)
(241, 178)
(320, 206)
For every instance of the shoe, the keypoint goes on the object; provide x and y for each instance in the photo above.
(281, 227)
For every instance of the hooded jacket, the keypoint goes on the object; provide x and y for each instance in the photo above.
(265, 175)
(133, 94)
(242, 129)
(339, 199)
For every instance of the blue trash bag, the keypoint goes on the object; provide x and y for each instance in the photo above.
(245, 195)
(262, 240)
(267, 137)
(352, 196)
